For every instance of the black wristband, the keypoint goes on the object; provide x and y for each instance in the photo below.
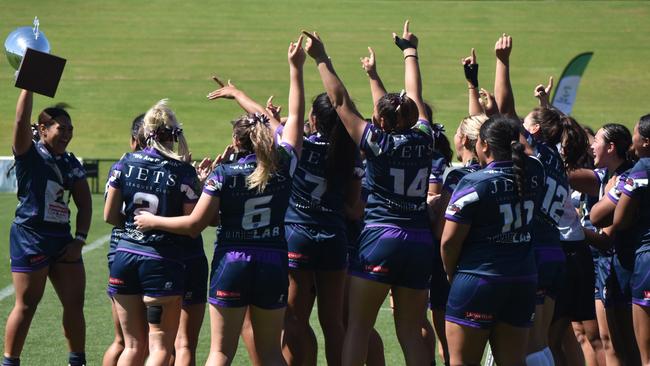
(403, 43)
(471, 73)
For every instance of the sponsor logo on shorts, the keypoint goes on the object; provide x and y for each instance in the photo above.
(37, 258)
(188, 295)
(646, 295)
(297, 256)
(472, 315)
(115, 281)
(228, 294)
(168, 285)
(376, 269)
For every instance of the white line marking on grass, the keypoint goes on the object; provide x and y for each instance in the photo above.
(9, 290)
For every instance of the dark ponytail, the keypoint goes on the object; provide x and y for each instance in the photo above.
(137, 131)
(502, 135)
(620, 136)
(339, 164)
(574, 143)
(398, 111)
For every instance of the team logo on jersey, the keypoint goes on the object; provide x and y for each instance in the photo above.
(115, 281)
(212, 185)
(461, 202)
(646, 295)
(115, 175)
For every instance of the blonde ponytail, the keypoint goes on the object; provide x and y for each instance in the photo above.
(255, 135)
(160, 123)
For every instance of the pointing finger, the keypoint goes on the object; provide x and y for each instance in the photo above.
(218, 81)
(406, 27)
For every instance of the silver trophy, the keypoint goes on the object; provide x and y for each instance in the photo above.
(23, 38)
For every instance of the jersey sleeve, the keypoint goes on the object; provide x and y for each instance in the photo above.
(600, 174)
(115, 175)
(76, 170)
(374, 141)
(214, 183)
(28, 155)
(614, 193)
(190, 186)
(451, 181)
(288, 156)
(636, 181)
(463, 203)
(437, 170)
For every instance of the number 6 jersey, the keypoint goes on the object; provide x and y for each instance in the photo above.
(250, 218)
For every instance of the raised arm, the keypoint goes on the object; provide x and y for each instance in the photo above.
(293, 129)
(502, 87)
(470, 68)
(542, 93)
(22, 129)
(376, 85)
(230, 91)
(353, 121)
(412, 78)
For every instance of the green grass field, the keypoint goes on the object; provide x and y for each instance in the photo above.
(124, 55)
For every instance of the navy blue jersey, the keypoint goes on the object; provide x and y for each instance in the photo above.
(42, 180)
(499, 241)
(397, 171)
(438, 165)
(455, 175)
(636, 185)
(312, 202)
(151, 182)
(556, 192)
(250, 218)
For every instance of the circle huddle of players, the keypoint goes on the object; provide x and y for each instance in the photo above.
(538, 244)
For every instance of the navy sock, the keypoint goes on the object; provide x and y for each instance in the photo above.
(77, 359)
(8, 361)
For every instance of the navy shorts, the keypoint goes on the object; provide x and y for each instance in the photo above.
(640, 282)
(316, 248)
(596, 256)
(196, 280)
(249, 276)
(135, 272)
(603, 267)
(395, 256)
(576, 298)
(617, 290)
(439, 289)
(31, 250)
(550, 271)
(482, 301)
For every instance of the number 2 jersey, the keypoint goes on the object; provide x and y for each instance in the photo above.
(499, 241)
(312, 201)
(250, 218)
(43, 179)
(397, 174)
(151, 182)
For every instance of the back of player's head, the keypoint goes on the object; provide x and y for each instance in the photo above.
(342, 149)
(558, 129)
(137, 131)
(469, 127)
(550, 124)
(620, 136)
(397, 110)
(502, 135)
(644, 126)
(253, 134)
(162, 130)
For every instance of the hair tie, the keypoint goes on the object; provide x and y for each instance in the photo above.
(176, 132)
(438, 129)
(400, 100)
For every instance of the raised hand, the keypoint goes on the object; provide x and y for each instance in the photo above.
(542, 92)
(368, 63)
(315, 47)
(296, 54)
(488, 103)
(471, 68)
(272, 109)
(408, 40)
(224, 156)
(503, 47)
(228, 91)
(203, 169)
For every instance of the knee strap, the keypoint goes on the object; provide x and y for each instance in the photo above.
(154, 314)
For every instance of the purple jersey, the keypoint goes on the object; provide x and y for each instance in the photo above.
(43, 179)
(397, 171)
(250, 218)
(499, 241)
(636, 185)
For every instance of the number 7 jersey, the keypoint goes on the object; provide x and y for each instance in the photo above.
(250, 218)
